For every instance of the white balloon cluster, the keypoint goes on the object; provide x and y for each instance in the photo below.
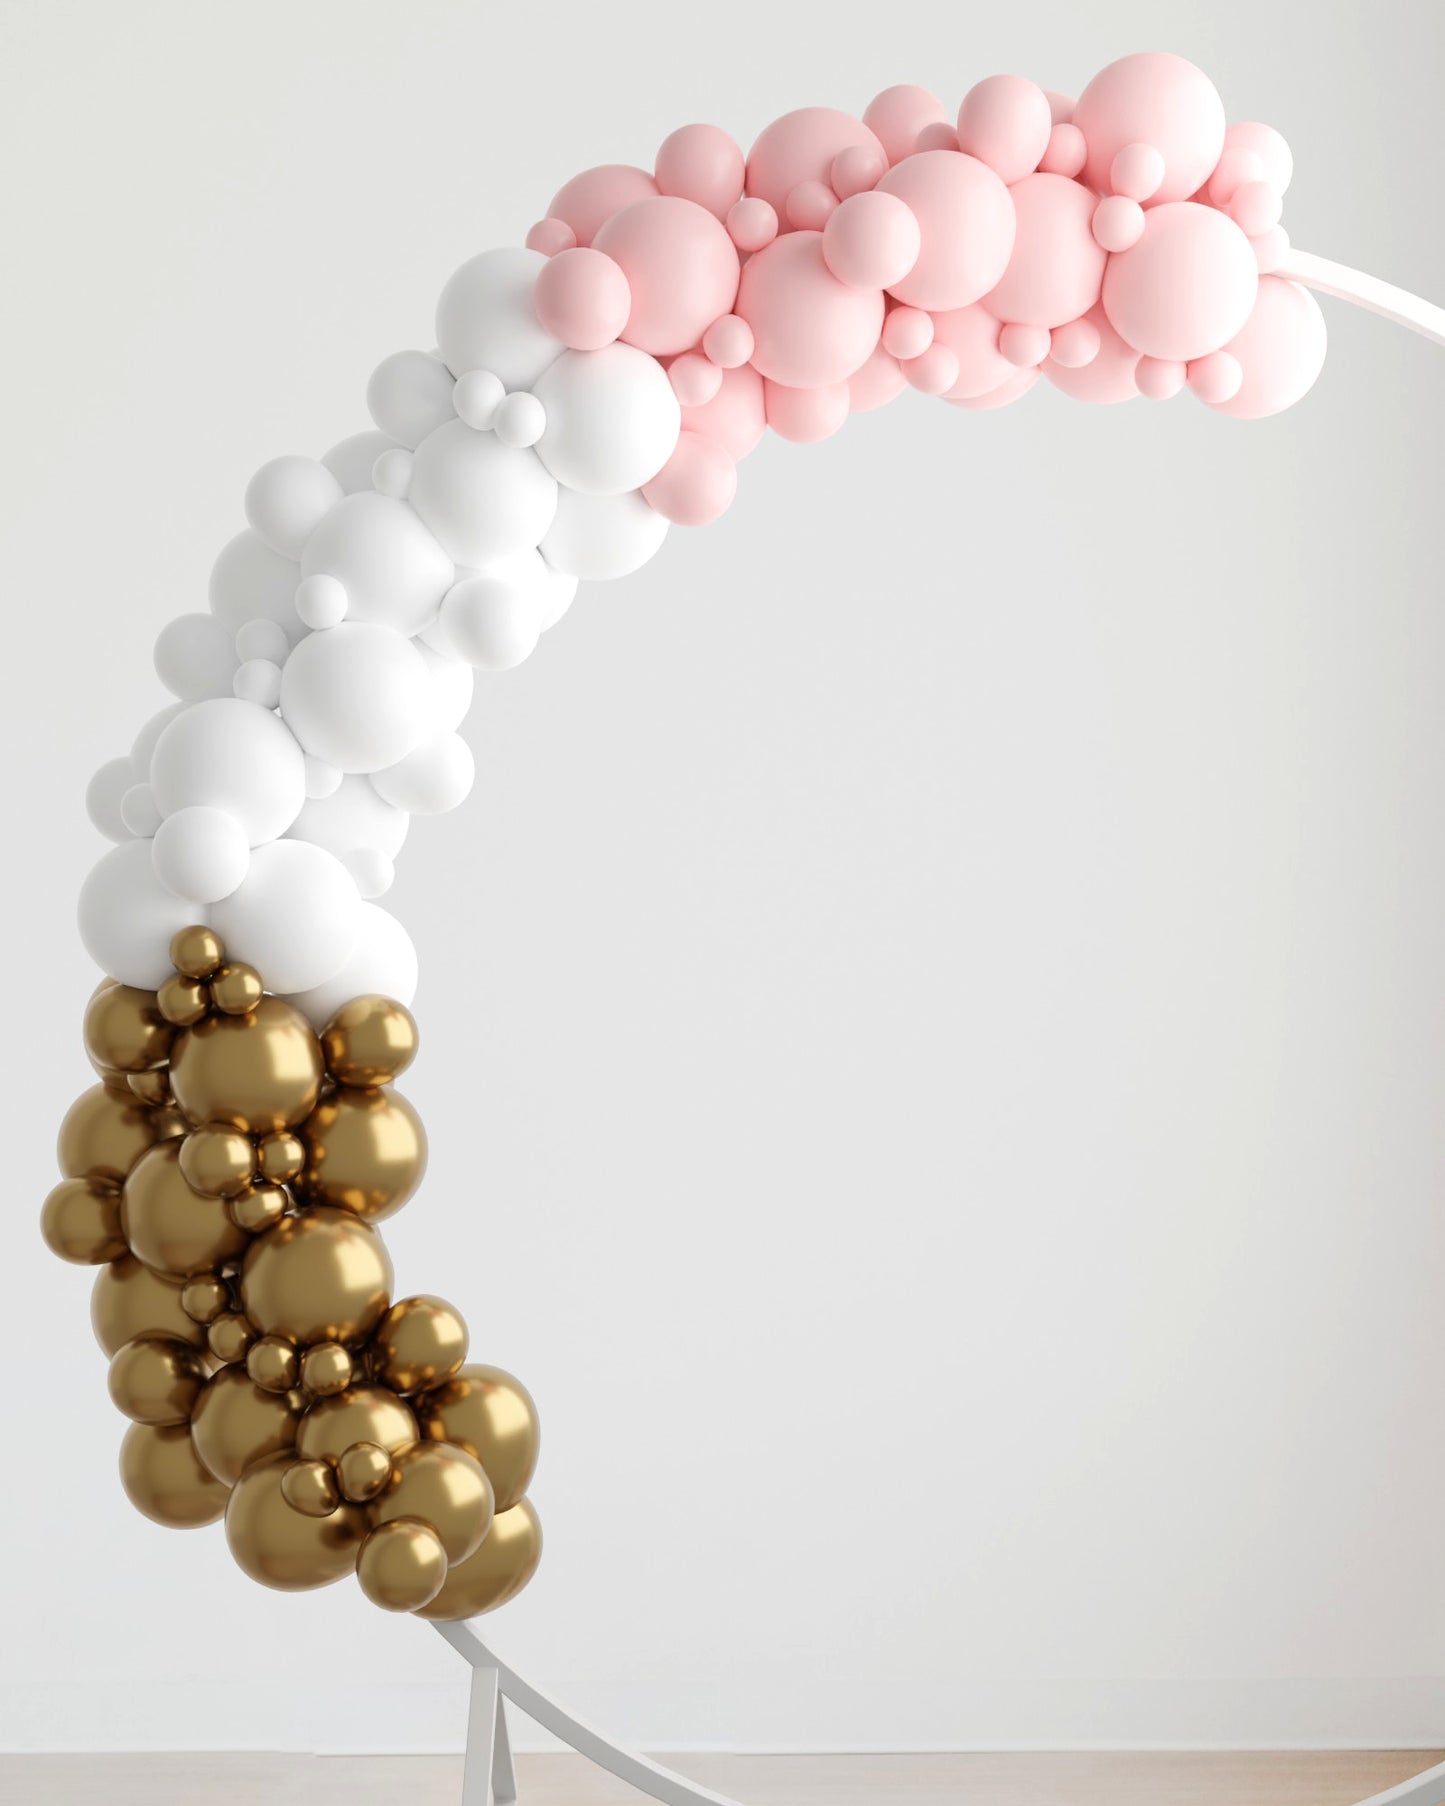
(320, 696)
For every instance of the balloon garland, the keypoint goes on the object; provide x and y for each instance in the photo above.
(588, 389)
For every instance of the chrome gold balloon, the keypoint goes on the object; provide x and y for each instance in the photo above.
(204, 1298)
(229, 1337)
(236, 990)
(196, 952)
(326, 1369)
(259, 1072)
(419, 1343)
(402, 1565)
(362, 1471)
(258, 1208)
(282, 1547)
(104, 1134)
(365, 1152)
(217, 1161)
(280, 1157)
(490, 1414)
(361, 1414)
(128, 1300)
(156, 1379)
(183, 1001)
(80, 1221)
(369, 1041)
(319, 1276)
(168, 1223)
(496, 1572)
(310, 1488)
(164, 1477)
(152, 1087)
(273, 1363)
(125, 1031)
(235, 1423)
(443, 1486)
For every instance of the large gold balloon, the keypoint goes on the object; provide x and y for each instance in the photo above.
(258, 1072)
(80, 1221)
(124, 1031)
(419, 1343)
(369, 1041)
(235, 1423)
(168, 1223)
(319, 1276)
(163, 1477)
(104, 1134)
(490, 1414)
(365, 1151)
(402, 1565)
(496, 1572)
(360, 1414)
(156, 1379)
(128, 1300)
(282, 1547)
(443, 1486)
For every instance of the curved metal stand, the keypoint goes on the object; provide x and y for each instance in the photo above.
(1369, 292)
(1424, 1790)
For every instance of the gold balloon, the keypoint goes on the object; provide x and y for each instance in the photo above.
(103, 1134)
(204, 1298)
(217, 1161)
(310, 1488)
(168, 1223)
(235, 1423)
(259, 1207)
(273, 1364)
(163, 1477)
(196, 952)
(326, 1369)
(402, 1566)
(496, 1572)
(443, 1486)
(280, 1157)
(156, 1379)
(365, 1151)
(490, 1414)
(236, 990)
(282, 1547)
(419, 1343)
(80, 1221)
(183, 1001)
(150, 1087)
(129, 1301)
(363, 1470)
(360, 1414)
(369, 1041)
(318, 1276)
(229, 1337)
(124, 1030)
(259, 1072)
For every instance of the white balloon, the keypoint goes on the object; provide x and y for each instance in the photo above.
(351, 818)
(356, 695)
(103, 794)
(382, 962)
(410, 395)
(195, 657)
(482, 499)
(294, 918)
(392, 569)
(493, 622)
(139, 812)
(352, 460)
(486, 319)
(612, 419)
(391, 473)
(321, 779)
(519, 419)
(556, 592)
(602, 535)
(258, 680)
(250, 580)
(144, 743)
(433, 778)
(451, 688)
(372, 872)
(477, 396)
(231, 755)
(200, 853)
(287, 500)
(127, 916)
(262, 639)
(321, 602)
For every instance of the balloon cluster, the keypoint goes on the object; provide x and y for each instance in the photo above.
(227, 1174)
(603, 381)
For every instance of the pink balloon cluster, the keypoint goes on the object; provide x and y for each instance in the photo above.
(1122, 244)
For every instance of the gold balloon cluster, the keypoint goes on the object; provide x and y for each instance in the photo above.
(227, 1175)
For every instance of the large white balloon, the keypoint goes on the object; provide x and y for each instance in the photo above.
(127, 916)
(287, 499)
(486, 319)
(433, 778)
(351, 461)
(602, 535)
(295, 917)
(482, 499)
(383, 962)
(351, 818)
(250, 580)
(231, 755)
(392, 569)
(356, 695)
(195, 656)
(103, 794)
(410, 395)
(612, 419)
(200, 853)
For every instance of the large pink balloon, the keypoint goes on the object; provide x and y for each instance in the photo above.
(876, 384)
(972, 334)
(1005, 122)
(697, 483)
(1056, 268)
(808, 328)
(703, 164)
(680, 265)
(800, 147)
(1280, 348)
(967, 222)
(1108, 376)
(1153, 98)
(593, 197)
(1186, 287)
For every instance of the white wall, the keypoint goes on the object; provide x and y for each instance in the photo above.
(934, 1031)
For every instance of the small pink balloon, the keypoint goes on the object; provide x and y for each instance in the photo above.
(810, 329)
(549, 236)
(1074, 345)
(1108, 377)
(1280, 350)
(694, 379)
(805, 415)
(1065, 152)
(1019, 383)
(898, 115)
(1215, 378)
(966, 218)
(940, 136)
(1270, 250)
(1057, 267)
(582, 298)
(701, 163)
(1005, 121)
(680, 265)
(1255, 208)
(1159, 378)
(752, 224)
(810, 205)
(1023, 346)
(971, 333)
(856, 170)
(876, 384)
(1237, 166)
(1264, 142)
(734, 417)
(1118, 223)
(800, 147)
(1137, 171)
(593, 197)
(728, 342)
(1061, 107)
(872, 240)
(697, 483)
(1153, 98)
(932, 372)
(907, 332)
(1188, 285)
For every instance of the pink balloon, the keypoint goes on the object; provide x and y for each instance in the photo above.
(932, 372)
(728, 342)
(1255, 208)
(1118, 222)
(876, 383)
(1264, 142)
(694, 379)
(734, 417)
(1061, 107)
(1280, 349)
(907, 332)
(593, 197)
(800, 147)
(1236, 165)
(582, 298)
(967, 221)
(971, 333)
(1005, 122)
(1188, 285)
(1270, 250)
(810, 206)
(680, 265)
(1137, 172)
(871, 240)
(697, 483)
(1024, 346)
(1065, 153)
(1018, 384)
(1159, 378)
(1056, 268)
(805, 415)
(549, 236)
(1153, 98)
(752, 224)
(1074, 345)
(1108, 376)
(940, 135)
(809, 328)
(898, 115)
(701, 163)
(1216, 378)
(856, 169)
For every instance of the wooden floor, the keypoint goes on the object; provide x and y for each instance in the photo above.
(1316, 1779)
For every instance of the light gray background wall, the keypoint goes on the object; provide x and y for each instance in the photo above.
(933, 1014)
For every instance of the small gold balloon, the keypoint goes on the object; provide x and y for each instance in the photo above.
(80, 1221)
(236, 990)
(282, 1547)
(164, 1477)
(490, 1414)
(217, 1161)
(258, 1208)
(419, 1343)
(152, 1088)
(310, 1488)
(318, 1276)
(229, 1337)
(362, 1471)
(445, 1487)
(182, 1001)
(365, 1151)
(402, 1565)
(129, 1300)
(273, 1364)
(496, 1572)
(259, 1073)
(103, 1134)
(196, 952)
(369, 1041)
(235, 1423)
(156, 1379)
(168, 1223)
(326, 1369)
(204, 1298)
(125, 1031)
(360, 1414)
(280, 1157)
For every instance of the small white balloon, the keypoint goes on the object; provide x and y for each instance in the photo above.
(127, 916)
(383, 963)
(356, 695)
(287, 500)
(391, 568)
(249, 579)
(320, 602)
(372, 872)
(139, 812)
(353, 816)
(612, 419)
(410, 395)
(353, 460)
(452, 684)
(259, 681)
(294, 918)
(231, 755)
(201, 854)
(103, 797)
(195, 657)
(321, 779)
(262, 639)
(477, 396)
(391, 474)
(433, 778)
(602, 535)
(520, 420)
(491, 621)
(486, 318)
(482, 499)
